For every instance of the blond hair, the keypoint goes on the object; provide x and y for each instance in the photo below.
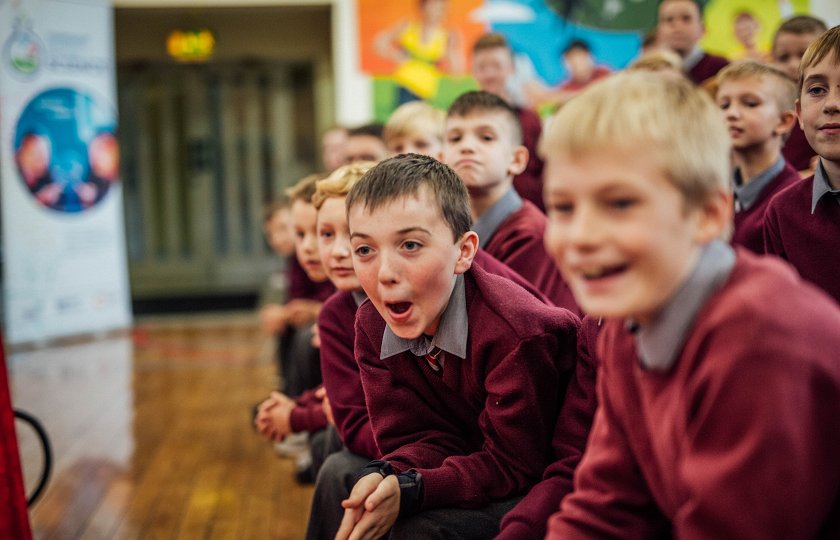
(821, 47)
(784, 89)
(340, 182)
(416, 118)
(658, 61)
(678, 124)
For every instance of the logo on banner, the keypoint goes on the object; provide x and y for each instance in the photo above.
(23, 51)
(66, 149)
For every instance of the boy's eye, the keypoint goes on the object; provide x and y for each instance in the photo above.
(410, 245)
(562, 208)
(361, 251)
(815, 90)
(327, 234)
(300, 234)
(488, 137)
(723, 106)
(622, 203)
(454, 138)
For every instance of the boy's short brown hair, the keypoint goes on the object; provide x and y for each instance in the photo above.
(408, 174)
(339, 182)
(784, 89)
(491, 41)
(273, 206)
(800, 25)
(670, 117)
(828, 43)
(480, 100)
(415, 118)
(304, 189)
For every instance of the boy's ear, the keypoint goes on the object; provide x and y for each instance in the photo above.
(786, 123)
(799, 113)
(714, 217)
(468, 244)
(519, 160)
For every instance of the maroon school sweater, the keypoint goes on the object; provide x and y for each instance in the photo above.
(482, 430)
(336, 324)
(518, 242)
(749, 224)
(529, 183)
(300, 286)
(308, 415)
(810, 242)
(707, 67)
(738, 440)
(527, 520)
(797, 151)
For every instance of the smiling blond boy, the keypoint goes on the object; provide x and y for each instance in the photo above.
(718, 383)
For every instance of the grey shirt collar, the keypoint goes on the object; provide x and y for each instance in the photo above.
(693, 58)
(485, 226)
(746, 194)
(659, 343)
(451, 334)
(359, 297)
(822, 186)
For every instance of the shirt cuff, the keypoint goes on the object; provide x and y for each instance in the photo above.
(411, 485)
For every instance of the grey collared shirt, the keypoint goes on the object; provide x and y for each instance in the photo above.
(693, 58)
(822, 186)
(451, 334)
(359, 297)
(659, 342)
(485, 226)
(746, 194)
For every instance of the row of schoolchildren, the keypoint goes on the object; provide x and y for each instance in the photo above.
(454, 391)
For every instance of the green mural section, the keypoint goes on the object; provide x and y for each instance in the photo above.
(385, 94)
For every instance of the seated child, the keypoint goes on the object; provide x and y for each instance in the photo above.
(757, 102)
(492, 67)
(415, 128)
(365, 143)
(718, 380)
(460, 368)
(484, 146)
(802, 223)
(789, 45)
(680, 29)
(333, 147)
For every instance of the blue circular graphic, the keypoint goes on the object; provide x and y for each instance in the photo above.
(66, 149)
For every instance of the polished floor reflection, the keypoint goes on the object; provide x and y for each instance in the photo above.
(151, 435)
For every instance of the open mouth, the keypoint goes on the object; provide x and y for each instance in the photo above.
(399, 308)
(600, 272)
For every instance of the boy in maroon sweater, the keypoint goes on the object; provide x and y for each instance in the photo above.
(802, 224)
(461, 369)
(757, 102)
(718, 382)
(483, 144)
(680, 29)
(789, 45)
(492, 66)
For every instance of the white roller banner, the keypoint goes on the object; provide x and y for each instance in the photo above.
(64, 258)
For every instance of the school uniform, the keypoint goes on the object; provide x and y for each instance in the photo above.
(751, 200)
(700, 65)
(308, 414)
(300, 286)
(802, 226)
(797, 150)
(512, 231)
(473, 427)
(527, 521)
(529, 183)
(718, 419)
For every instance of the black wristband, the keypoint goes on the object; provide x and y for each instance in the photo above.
(411, 485)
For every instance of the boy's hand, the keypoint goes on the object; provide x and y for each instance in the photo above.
(273, 419)
(302, 311)
(274, 318)
(316, 336)
(371, 509)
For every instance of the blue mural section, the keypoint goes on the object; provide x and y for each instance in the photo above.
(546, 35)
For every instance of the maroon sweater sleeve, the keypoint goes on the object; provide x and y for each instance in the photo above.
(309, 413)
(528, 520)
(482, 431)
(340, 372)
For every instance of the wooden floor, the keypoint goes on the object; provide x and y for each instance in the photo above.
(151, 435)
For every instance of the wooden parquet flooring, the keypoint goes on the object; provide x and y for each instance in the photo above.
(151, 435)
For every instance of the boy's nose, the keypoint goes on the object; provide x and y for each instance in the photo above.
(388, 272)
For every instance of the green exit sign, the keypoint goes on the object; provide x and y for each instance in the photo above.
(191, 45)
